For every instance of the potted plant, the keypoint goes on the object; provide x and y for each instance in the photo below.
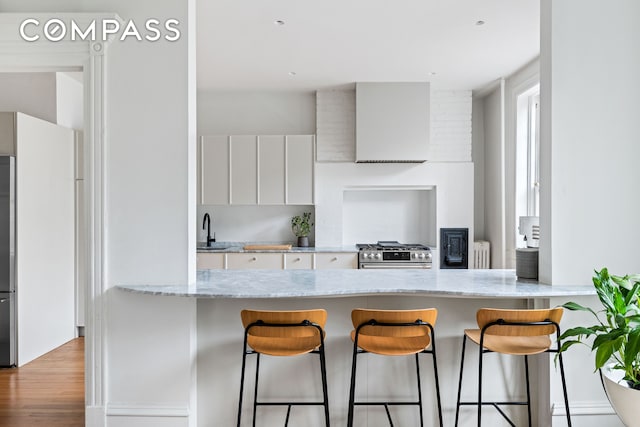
(616, 340)
(301, 227)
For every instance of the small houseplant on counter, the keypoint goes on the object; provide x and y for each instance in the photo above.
(301, 227)
(616, 341)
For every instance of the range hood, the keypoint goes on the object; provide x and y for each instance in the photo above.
(392, 122)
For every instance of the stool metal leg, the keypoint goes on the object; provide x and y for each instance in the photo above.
(352, 388)
(564, 389)
(435, 374)
(480, 384)
(464, 341)
(526, 370)
(255, 394)
(325, 393)
(419, 391)
(244, 362)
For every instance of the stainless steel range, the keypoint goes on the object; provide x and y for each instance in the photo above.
(392, 254)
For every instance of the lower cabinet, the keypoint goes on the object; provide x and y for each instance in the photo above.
(207, 260)
(296, 261)
(344, 260)
(277, 261)
(258, 260)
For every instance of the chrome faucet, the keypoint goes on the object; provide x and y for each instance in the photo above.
(206, 222)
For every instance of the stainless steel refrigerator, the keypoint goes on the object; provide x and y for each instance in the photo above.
(8, 333)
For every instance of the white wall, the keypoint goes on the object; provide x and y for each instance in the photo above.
(45, 237)
(478, 158)
(256, 113)
(69, 100)
(29, 93)
(149, 217)
(406, 215)
(450, 126)
(493, 178)
(251, 223)
(590, 133)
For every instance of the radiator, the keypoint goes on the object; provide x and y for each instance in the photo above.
(481, 254)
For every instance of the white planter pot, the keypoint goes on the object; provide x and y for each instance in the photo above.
(624, 399)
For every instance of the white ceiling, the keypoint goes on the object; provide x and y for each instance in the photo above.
(333, 43)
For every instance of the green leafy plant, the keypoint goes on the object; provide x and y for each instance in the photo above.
(617, 336)
(301, 225)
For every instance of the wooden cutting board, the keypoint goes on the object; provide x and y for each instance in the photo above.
(267, 247)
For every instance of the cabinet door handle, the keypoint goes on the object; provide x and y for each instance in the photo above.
(335, 258)
(297, 259)
(254, 259)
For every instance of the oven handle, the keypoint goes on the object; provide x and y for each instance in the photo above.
(394, 266)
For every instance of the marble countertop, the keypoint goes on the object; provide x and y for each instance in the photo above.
(336, 283)
(237, 247)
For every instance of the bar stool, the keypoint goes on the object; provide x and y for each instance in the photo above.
(393, 333)
(283, 333)
(514, 332)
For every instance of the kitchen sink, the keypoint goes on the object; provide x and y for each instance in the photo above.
(214, 248)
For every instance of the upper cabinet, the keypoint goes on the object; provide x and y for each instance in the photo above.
(243, 170)
(213, 170)
(249, 170)
(299, 169)
(271, 170)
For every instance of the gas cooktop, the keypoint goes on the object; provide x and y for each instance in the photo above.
(391, 245)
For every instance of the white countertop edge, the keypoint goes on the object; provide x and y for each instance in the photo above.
(260, 284)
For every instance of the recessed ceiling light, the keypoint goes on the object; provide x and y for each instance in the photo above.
(292, 73)
(478, 23)
(432, 73)
(279, 22)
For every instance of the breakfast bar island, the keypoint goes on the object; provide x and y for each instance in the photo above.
(457, 294)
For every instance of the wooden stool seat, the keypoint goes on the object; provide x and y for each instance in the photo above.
(518, 346)
(283, 346)
(392, 346)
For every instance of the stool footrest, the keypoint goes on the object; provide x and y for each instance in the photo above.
(493, 403)
(288, 403)
(385, 403)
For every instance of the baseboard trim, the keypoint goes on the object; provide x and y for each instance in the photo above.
(147, 411)
(583, 408)
(94, 416)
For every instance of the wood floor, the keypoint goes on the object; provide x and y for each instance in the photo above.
(46, 392)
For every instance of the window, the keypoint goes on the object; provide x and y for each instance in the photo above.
(527, 157)
(533, 155)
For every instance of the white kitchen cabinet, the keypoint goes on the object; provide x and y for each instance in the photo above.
(208, 260)
(213, 170)
(271, 170)
(298, 261)
(299, 169)
(336, 260)
(243, 156)
(254, 260)
(251, 169)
